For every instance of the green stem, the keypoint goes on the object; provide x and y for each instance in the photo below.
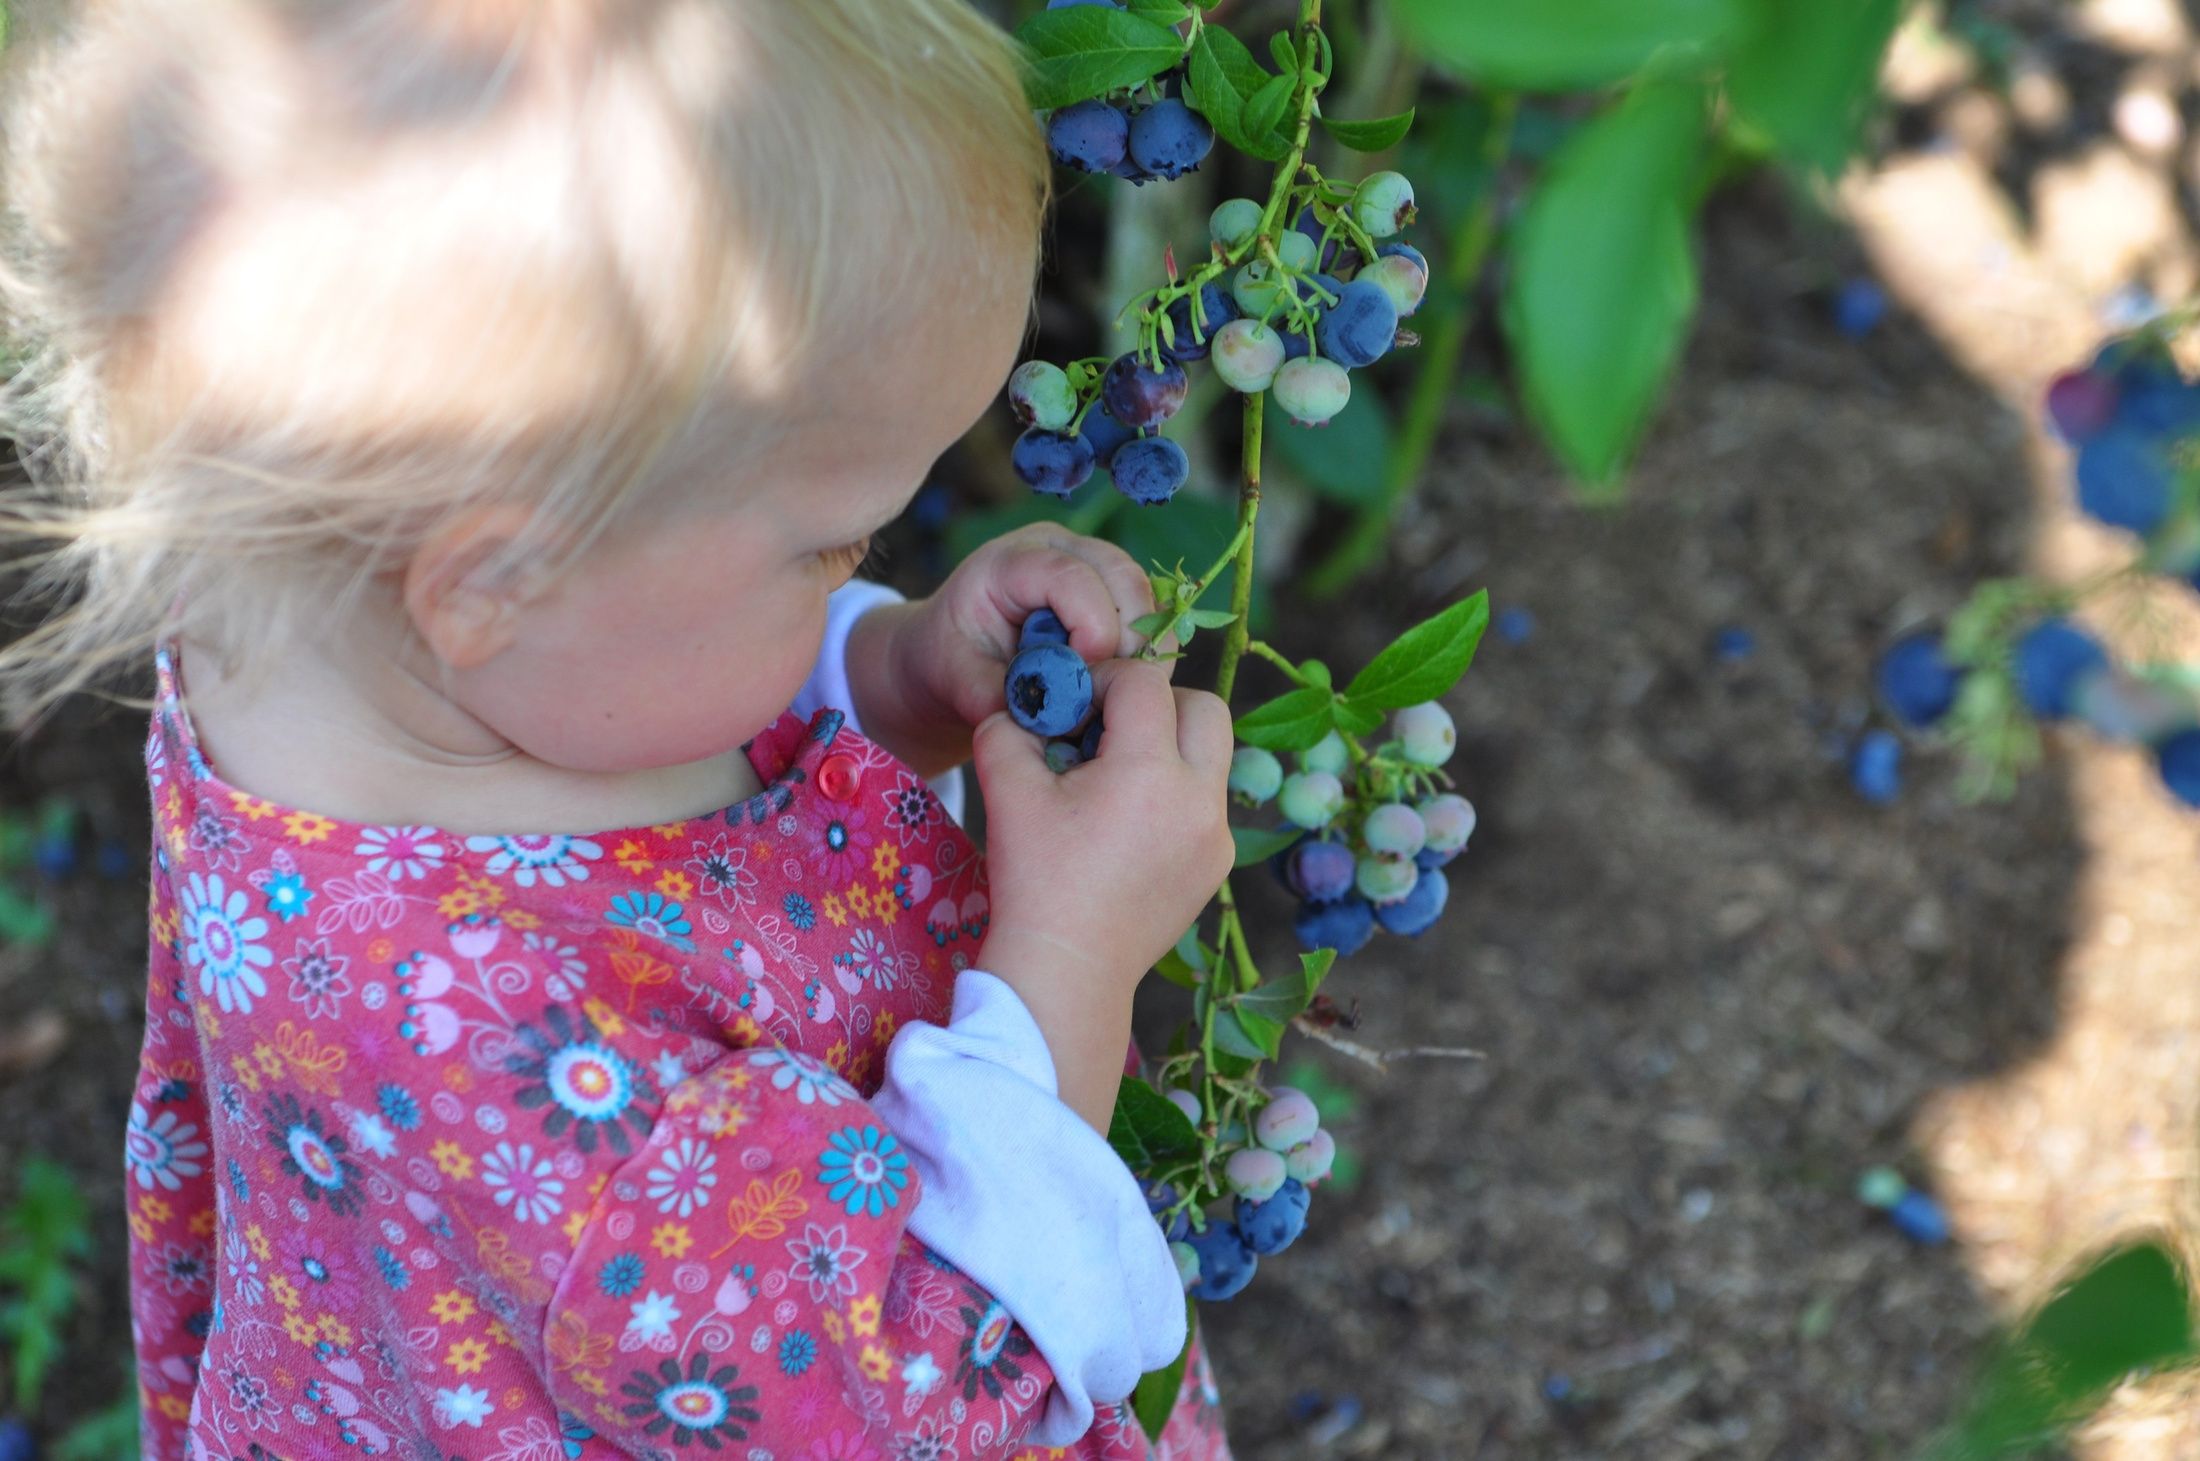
(1263, 650)
(1241, 586)
(1469, 247)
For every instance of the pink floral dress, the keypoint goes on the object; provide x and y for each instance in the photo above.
(527, 1148)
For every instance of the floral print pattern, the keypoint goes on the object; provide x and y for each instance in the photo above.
(536, 1148)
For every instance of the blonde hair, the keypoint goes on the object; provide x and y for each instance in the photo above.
(295, 281)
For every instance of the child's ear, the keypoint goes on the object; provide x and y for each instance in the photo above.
(461, 595)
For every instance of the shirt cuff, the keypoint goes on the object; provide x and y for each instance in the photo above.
(828, 682)
(1025, 1198)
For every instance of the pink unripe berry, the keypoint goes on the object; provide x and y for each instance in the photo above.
(1247, 354)
(1426, 734)
(1310, 1160)
(1405, 282)
(1312, 390)
(1186, 1102)
(1450, 821)
(1254, 1172)
(1395, 830)
(1287, 1120)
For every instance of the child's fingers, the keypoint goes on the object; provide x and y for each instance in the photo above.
(1056, 578)
(1127, 584)
(1140, 708)
(1204, 736)
(1010, 759)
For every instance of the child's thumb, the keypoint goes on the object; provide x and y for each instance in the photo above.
(1010, 759)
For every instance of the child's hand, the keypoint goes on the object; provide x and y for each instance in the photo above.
(1097, 872)
(926, 674)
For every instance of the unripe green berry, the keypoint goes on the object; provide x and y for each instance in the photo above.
(1394, 830)
(1257, 288)
(1186, 1258)
(1234, 221)
(1041, 396)
(1329, 754)
(1385, 879)
(1383, 204)
(1254, 1172)
(1311, 799)
(1311, 391)
(1246, 355)
(1426, 735)
(1255, 775)
(1297, 251)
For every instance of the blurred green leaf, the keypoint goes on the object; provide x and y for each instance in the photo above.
(1570, 45)
(1603, 285)
(1424, 662)
(1809, 73)
(1343, 460)
(1258, 844)
(1220, 79)
(1090, 50)
(1189, 530)
(1376, 135)
(1292, 721)
(42, 1234)
(2131, 1309)
(1146, 1129)
(106, 1435)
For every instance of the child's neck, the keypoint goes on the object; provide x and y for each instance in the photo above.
(357, 729)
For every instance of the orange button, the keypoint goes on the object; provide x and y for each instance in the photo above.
(838, 777)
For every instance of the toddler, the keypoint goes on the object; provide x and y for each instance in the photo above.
(578, 1026)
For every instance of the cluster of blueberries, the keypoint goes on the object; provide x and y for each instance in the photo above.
(1050, 692)
(2127, 413)
(1363, 862)
(1296, 326)
(1271, 1182)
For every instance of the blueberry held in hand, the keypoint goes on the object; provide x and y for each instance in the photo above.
(1043, 627)
(2178, 759)
(1141, 396)
(1274, 1224)
(1051, 462)
(1226, 1265)
(1049, 690)
(1150, 470)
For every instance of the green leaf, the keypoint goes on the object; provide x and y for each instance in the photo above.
(1314, 968)
(1220, 78)
(1423, 662)
(1342, 461)
(1146, 1129)
(1265, 1033)
(1258, 844)
(1189, 530)
(1603, 285)
(1171, 966)
(2129, 1310)
(1265, 108)
(1160, 12)
(1808, 76)
(1213, 618)
(1316, 672)
(1090, 50)
(1232, 1038)
(1146, 626)
(1278, 1000)
(1284, 52)
(1356, 719)
(1379, 135)
(1292, 721)
(1572, 45)
(1154, 1399)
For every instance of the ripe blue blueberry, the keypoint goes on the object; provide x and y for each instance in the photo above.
(1247, 355)
(1043, 627)
(1234, 221)
(1190, 339)
(1273, 1225)
(1051, 462)
(1345, 925)
(1310, 799)
(1169, 139)
(1104, 434)
(1426, 734)
(1049, 690)
(2179, 761)
(1329, 754)
(1062, 756)
(1129, 171)
(1417, 912)
(1402, 281)
(1090, 136)
(2125, 479)
(2052, 657)
(1875, 767)
(1254, 1172)
(1160, 1197)
(1394, 830)
(16, 1441)
(1383, 879)
(2152, 394)
(1150, 470)
(1514, 625)
(1733, 644)
(1255, 775)
(1383, 204)
(1309, 223)
(1396, 249)
(1310, 1161)
(1041, 395)
(1358, 330)
(1919, 1218)
(1450, 822)
(1139, 396)
(2082, 404)
(1320, 872)
(1088, 744)
(1288, 1119)
(1916, 679)
(1859, 307)
(1226, 1265)
(1312, 391)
